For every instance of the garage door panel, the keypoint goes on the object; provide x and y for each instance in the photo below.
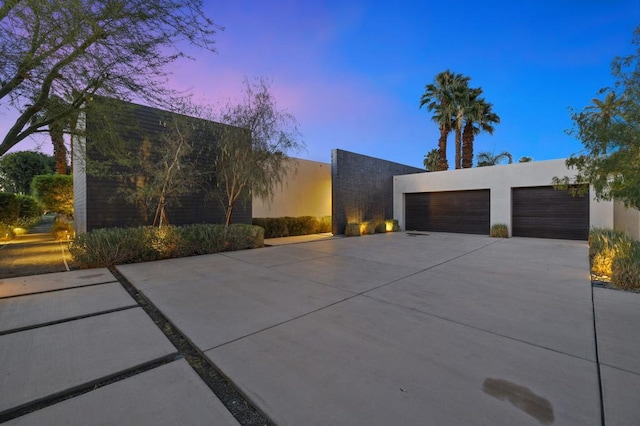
(451, 211)
(543, 212)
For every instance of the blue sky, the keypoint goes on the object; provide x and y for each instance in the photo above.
(352, 72)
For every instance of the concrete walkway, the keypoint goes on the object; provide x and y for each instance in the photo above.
(385, 329)
(36, 252)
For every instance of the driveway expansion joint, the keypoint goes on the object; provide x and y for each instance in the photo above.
(56, 398)
(75, 318)
(231, 397)
(599, 369)
(56, 290)
(351, 296)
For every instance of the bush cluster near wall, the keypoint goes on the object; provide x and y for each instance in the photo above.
(356, 229)
(616, 256)
(17, 212)
(276, 227)
(499, 230)
(55, 192)
(112, 246)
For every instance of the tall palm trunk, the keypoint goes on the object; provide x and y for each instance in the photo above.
(56, 131)
(467, 146)
(458, 140)
(442, 147)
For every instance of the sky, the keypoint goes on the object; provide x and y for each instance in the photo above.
(353, 72)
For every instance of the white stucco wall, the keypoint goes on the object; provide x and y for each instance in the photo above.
(305, 192)
(79, 177)
(627, 220)
(499, 180)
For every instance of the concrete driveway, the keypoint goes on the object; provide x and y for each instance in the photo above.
(443, 329)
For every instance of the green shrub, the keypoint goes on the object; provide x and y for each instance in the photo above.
(6, 232)
(352, 230)
(367, 228)
(274, 227)
(241, 236)
(303, 225)
(112, 246)
(9, 208)
(55, 192)
(616, 255)
(260, 221)
(499, 230)
(324, 224)
(23, 224)
(62, 230)
(389, 225)
(626, 269)
(201, 239)
(601, 239)
(29, 206)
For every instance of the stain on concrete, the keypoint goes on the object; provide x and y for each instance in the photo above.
(520, 397)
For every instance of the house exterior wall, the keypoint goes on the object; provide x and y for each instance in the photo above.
(100, 201)
(362, 188)
(79, 178)
(499, 180)
(306, 191)
(626, 220)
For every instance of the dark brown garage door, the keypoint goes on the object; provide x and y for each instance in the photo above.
(452, 211)
(543, 212)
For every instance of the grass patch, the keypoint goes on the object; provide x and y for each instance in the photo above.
(62, 228)
(499, 230)
(615, 257)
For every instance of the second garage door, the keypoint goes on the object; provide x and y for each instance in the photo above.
(450, 211)
(544, 212)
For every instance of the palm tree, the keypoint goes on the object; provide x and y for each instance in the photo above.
(430, 161)
(464, 98)
(439, 98)
(479, 118)
(487, 158)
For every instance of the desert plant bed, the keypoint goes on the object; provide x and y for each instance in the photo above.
(615, 259)
(113, 246)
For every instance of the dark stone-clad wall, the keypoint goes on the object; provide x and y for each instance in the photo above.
(106, 205)
(362, 188)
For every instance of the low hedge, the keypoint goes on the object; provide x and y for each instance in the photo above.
(112, 246)
(9, 208)
(18, 213)
(29, 206)
(276, 227)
